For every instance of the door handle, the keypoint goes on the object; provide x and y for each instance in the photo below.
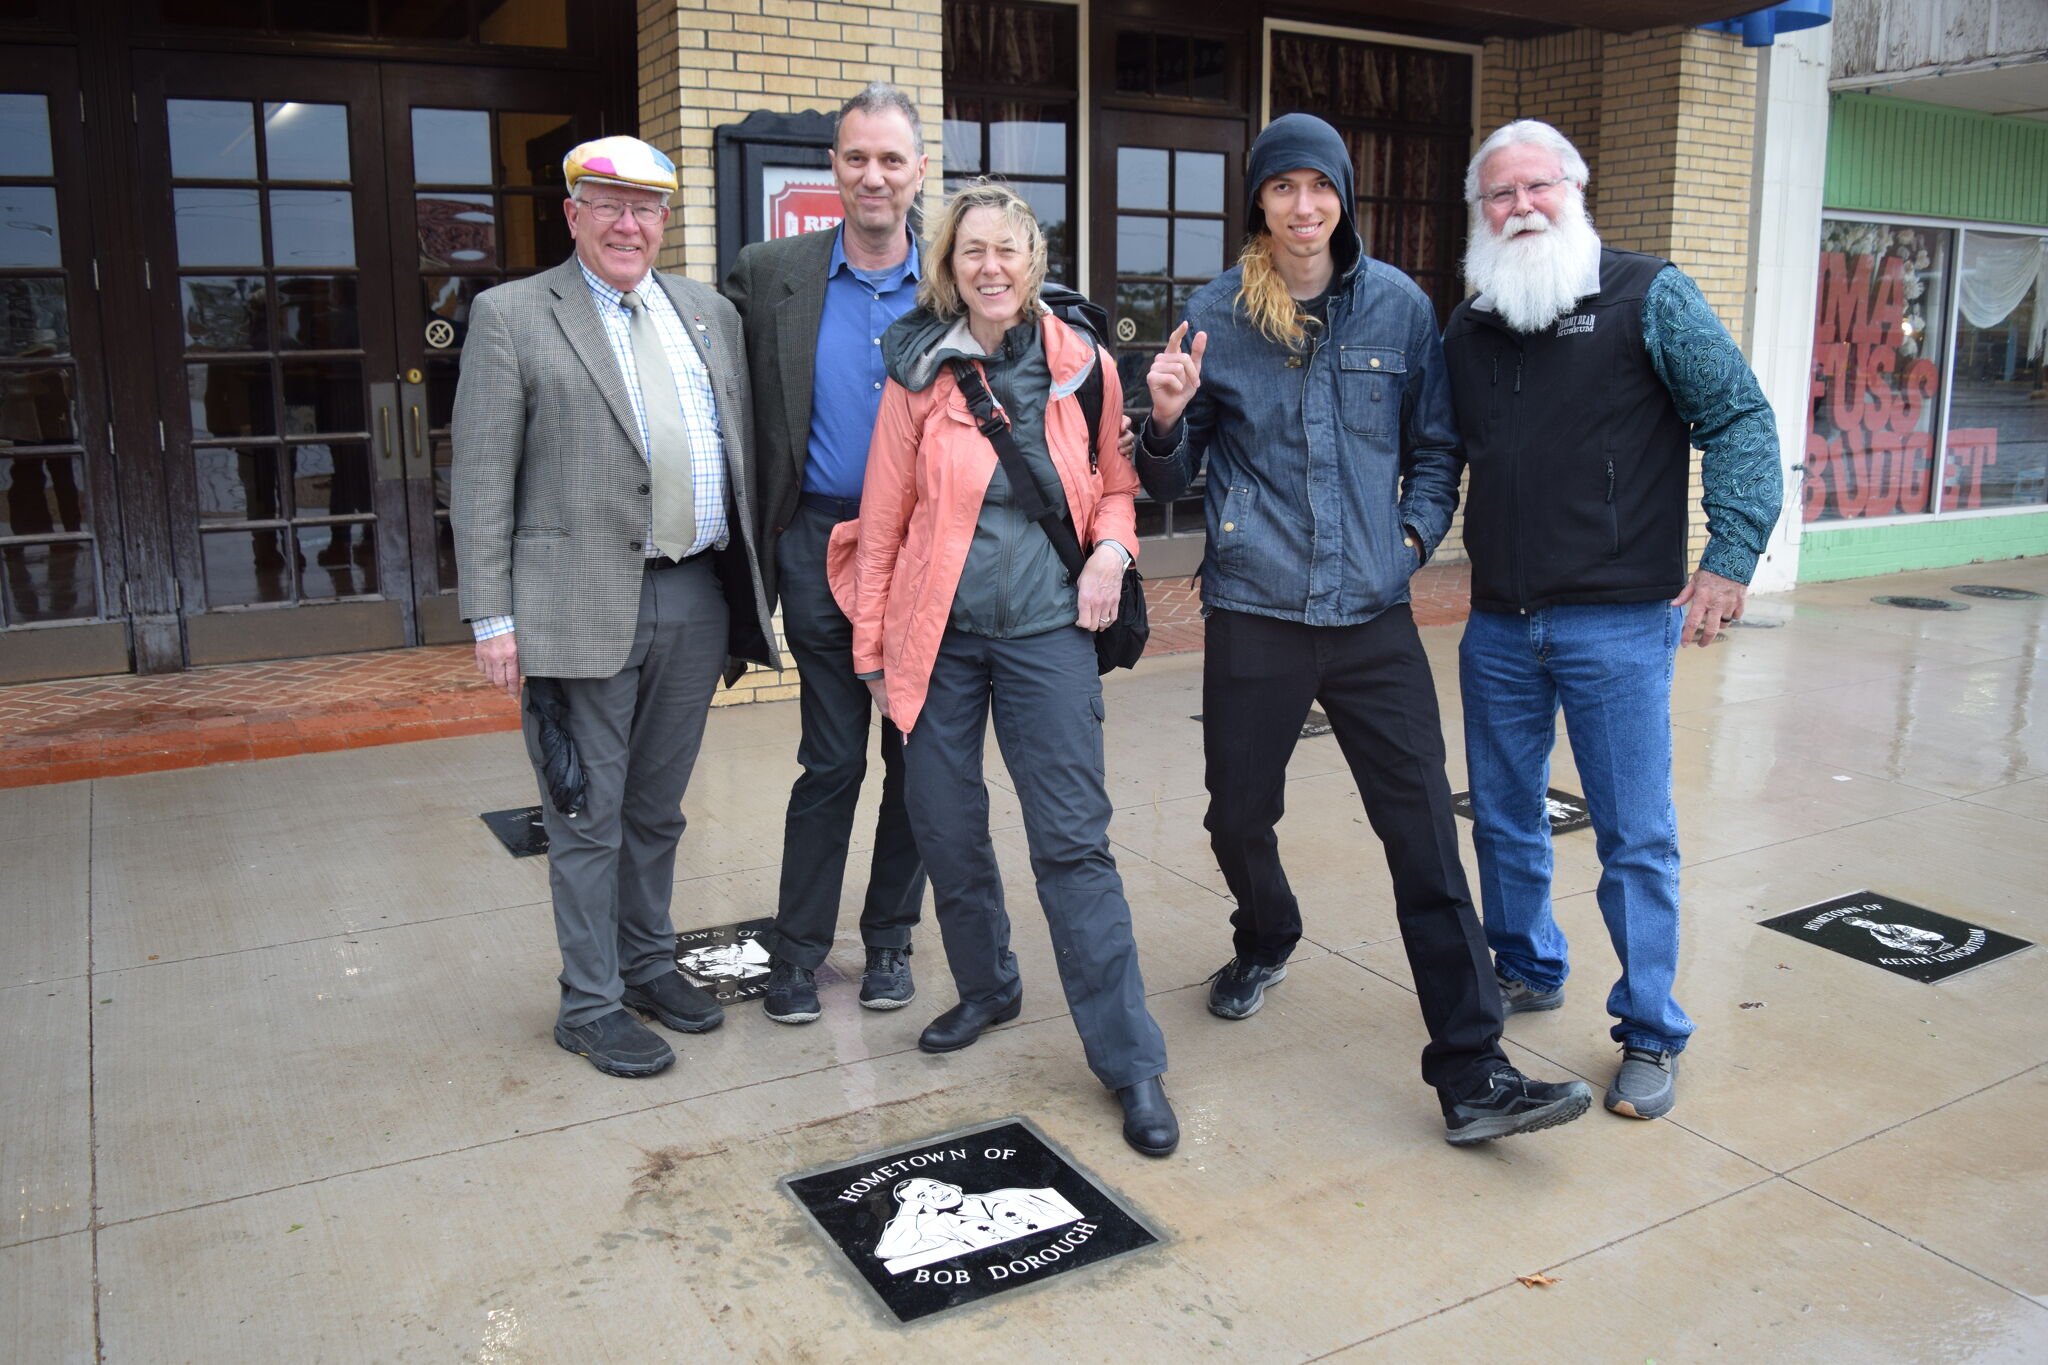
(417, 454)
(385, 453)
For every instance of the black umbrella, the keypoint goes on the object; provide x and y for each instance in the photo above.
(560, 764)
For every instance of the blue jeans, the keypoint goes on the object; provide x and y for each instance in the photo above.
(1610, 666)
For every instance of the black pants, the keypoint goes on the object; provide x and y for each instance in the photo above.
(1259, 677)
(835, 710)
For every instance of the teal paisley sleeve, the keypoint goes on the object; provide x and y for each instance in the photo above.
(1717, 395)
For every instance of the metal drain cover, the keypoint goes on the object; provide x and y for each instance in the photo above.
(2002, 594)
(1922, 603)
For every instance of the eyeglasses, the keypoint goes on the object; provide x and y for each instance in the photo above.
(611, 210)
(1505, 196)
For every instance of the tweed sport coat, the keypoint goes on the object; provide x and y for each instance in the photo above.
(551, 497)
(779, 289)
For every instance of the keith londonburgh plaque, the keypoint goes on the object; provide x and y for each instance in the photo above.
(1896, 935)
(956, 1218)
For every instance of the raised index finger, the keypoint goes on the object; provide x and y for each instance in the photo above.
(1173, 342)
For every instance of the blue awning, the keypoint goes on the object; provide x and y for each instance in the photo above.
(1762, 28)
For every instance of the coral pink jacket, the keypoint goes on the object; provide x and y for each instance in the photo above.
(928, 472)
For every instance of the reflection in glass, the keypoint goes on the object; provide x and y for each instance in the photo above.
(1134, 62)
(28, 227)
(1140, 178)
(317, 313)
(1998, 416)
(244, 567)
(1143, 303)
(33, 318)
(451, 147)
(1170, 64)
(1140, 245)
(1197, 247)
(338, 560)
(237, 484)
(211, 139)
(24, 135)
(536, 232)
(330, 480)
(449, 296)
(524, 23)
(41, 496)
(312, 227)
(35, 406)
(1049, 206)
(531, 148)
(1209, 70)
(225, 313)
(51, 582)
(441, 375)
(1027, 146)
(457, 229)
(306, 141)
(444, 551)
(1198, 182)
(323, 396)
(218, 227)
(231, 399)
(963, 140)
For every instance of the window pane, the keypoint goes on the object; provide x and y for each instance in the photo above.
(41, 496)
(1197, 247)
(218, 227)
(441, 376)
(1140, 178)
(330, 480)
(212, 139)
(1198, 182)
(28, 227)
(531, 148)
(306, 141)
(536, 232)
(447, 19)
(1140, 246)
(33, 318)
(1144, 304)
(237, 485)
(226, 313)
(1877, 362)
(524, 23)
(449, 297)
(1209, 70)
(35, 406)
(317, 313)
(451, 147)
(312, 227)
(457, 229)
(963, 139)
(337, 561)
(244, 567)
(1027, 146)
(231, 399)
(49, 582)
(1049, 206)
(1134, 63)
(1998, 416)
(322, 396)
(24, 135)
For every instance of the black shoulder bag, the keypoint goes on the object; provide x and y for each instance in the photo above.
(1119, 644)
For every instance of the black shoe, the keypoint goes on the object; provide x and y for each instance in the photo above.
(676, 1003)
(618, 1045)
(1149, 1124)
(959, 1026)
(1512, 1103)
(1519, 997)
(792, 996)
(886, 984)
(1241, 987)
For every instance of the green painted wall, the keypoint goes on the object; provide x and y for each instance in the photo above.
(1890, 155)
(1831, 550)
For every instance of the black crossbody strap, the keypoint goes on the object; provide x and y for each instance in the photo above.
(1030, 499)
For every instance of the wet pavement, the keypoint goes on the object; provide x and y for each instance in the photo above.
(280, 1083)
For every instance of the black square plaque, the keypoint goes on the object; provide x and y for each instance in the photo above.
(1567, 812)
(729, 960)
(519, 830)
(962, 1216)
(1896, 935)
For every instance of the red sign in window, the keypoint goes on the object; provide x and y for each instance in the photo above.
(800, 207)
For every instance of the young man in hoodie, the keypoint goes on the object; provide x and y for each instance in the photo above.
(1314, 384)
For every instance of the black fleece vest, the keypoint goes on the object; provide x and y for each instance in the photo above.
(1579, 461)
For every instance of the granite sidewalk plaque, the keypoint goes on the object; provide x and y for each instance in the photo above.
(520, 831)
(946, 1221)
(1898, 936)
(1567, 812)
(729, 960)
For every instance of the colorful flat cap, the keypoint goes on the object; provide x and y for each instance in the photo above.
(620, 161)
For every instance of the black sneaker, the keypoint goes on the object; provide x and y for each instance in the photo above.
(676, 1003)
(1241, 987)
(792, 996)
(618, 1045)
(886, 984)
(1512, 1103)
(1519, 997)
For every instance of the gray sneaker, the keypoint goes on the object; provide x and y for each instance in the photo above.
(1646, 1086)
(1519, 997)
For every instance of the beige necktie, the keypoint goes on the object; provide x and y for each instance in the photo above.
(668, 442)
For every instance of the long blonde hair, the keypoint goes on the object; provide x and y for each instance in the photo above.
(938, 292)
(1264, 294)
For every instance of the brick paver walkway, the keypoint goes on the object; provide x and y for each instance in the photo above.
(111, 726)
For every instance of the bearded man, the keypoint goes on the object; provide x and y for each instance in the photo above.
(1582, 376)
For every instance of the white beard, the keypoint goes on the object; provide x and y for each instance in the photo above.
(1533, 278)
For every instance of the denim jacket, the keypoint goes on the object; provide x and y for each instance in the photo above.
(1319, 461)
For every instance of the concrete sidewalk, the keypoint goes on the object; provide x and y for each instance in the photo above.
(281, 1086)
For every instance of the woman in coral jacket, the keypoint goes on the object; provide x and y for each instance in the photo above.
(961, 606)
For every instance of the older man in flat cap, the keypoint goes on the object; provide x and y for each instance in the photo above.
(601, 513)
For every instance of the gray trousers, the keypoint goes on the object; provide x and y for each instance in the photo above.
(612, 868)
(1047, 702)
(836, 709)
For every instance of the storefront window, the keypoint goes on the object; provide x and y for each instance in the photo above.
(1878, 354)
(1998, 411)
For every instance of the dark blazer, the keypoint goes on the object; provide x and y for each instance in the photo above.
(779, 289)
(551, 497)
